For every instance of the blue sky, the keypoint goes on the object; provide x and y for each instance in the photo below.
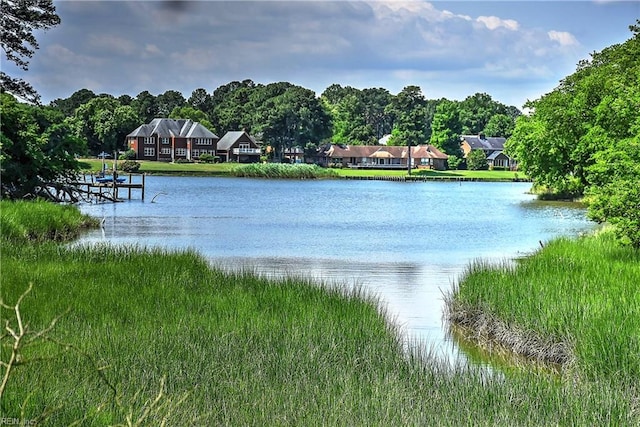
(512, 50)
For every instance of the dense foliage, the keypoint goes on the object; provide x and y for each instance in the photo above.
(18, 21)
(283, 115)
(38, 149)
(584, 137)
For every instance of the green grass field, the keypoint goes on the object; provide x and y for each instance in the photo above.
(226, 169)
(149, 336)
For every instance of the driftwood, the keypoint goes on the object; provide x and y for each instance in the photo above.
(71, 192)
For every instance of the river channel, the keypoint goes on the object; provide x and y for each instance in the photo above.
(405, 243)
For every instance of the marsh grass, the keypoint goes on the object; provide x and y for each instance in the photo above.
(577, 295)
(225, 348)
(283, 171)
(41, 221)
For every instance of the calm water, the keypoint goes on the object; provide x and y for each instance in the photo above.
(406, 243)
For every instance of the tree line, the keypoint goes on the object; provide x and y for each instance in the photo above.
(284, 115)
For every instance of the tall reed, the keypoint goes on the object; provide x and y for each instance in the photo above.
(283, 171)
(40, 220)
(582, 293)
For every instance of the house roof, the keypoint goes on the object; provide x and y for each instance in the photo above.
(231, 137)
(401, 152)
(184, 128)
(480, 142)
(496, 154)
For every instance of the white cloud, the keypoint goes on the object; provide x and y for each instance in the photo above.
(57, 54)
(112, 43)
(411, 9)
(563, 38)
(152, 50)
(493, 23)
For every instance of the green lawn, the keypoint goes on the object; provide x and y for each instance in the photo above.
(224, 169)
(213, 169)
(486, 174)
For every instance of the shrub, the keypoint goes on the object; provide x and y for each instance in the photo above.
(454, 162)
(477, 160)
(128, 155)
(206, 158)
(130, 166)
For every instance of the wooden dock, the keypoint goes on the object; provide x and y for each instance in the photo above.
(112, 190)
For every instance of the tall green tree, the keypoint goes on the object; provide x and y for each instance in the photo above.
(476, 111)
(293, 119)
(201, 100)
(583, 136)
(409, 111)
(169, 100)
(103, 123)
(232, 108)
(375, 102)
(68, 105)
(38, 149)
(347, 109)
(500, 125)
(18, 21)
(446, 128)
(145, 106)
(192, 114)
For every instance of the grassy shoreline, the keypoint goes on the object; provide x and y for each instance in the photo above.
(574, 304)
(210, 347)
(231, 169)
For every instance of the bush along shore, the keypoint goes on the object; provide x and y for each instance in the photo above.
(107, 335)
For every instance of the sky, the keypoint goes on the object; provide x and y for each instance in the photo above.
(512, 50)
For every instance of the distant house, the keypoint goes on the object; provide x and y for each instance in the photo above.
(238, 146)
(493, 148)
(294, 154)
(172, 139)
(382, 157)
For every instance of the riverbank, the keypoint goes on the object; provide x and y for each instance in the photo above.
(228, 169)
(150, 330)
(574, 305)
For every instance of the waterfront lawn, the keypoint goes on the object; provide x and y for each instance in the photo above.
(448, 174)
(226, 169)
(583, 293)
(152, 336)
(208, 169)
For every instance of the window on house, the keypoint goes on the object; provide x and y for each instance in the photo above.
(165, 150)
(165, 140)
(195, 153)
(148, 140)
(181, 151)
(149, 151)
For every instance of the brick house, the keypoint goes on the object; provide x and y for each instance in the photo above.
(172, 139)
